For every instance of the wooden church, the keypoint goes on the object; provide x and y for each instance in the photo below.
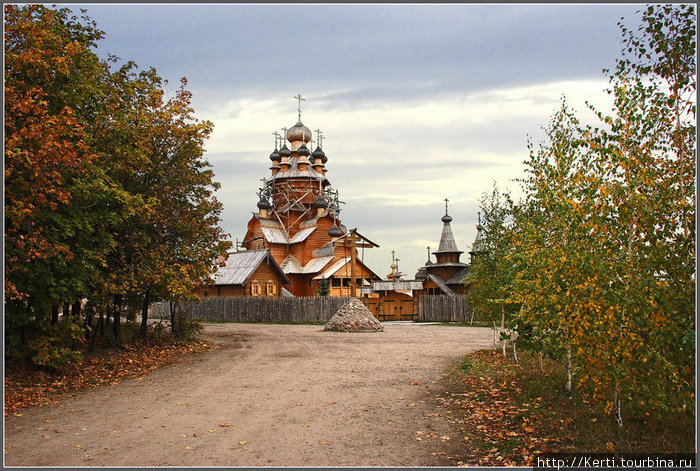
(298, 222)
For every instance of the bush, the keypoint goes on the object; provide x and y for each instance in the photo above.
(187, 329)
(56, 347)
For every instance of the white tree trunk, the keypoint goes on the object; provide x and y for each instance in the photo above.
(515, 353)
(541, 367)
(568, 371)
(617, 406)
(503, 328)
(495, 347)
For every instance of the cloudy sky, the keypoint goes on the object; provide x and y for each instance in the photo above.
(417, 103)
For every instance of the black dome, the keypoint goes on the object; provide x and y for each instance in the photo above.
(446, 218)
(318, 153)
(264, 203)
(335, 231)
(275, 155)
(320, 203)
(303, 150)
(284, 151)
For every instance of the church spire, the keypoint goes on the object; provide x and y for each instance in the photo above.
(447, 250)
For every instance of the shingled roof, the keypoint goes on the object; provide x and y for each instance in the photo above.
(241, 265)
(447, 240)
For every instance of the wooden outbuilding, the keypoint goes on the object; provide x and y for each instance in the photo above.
(249, 273)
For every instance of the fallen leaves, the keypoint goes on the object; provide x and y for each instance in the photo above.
(25, 386)
(224, 424)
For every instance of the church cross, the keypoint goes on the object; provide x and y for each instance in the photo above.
(319, 138)
(283, 135)
(428, 252)
(446, 200)
(392, 257)
(277, 136)
(479, 215)
(299, 99)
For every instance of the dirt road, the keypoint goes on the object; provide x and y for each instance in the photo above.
(293, 396)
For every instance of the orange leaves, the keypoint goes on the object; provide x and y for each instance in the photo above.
(24, 388)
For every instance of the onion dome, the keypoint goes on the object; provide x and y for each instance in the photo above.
(284, 151)
(428, 263)
(421, 274)
(319, 154)
(446, 218)
(275, 155)
(303, 150)
(335, 231)
(320, 203)
(264, 203)
(298, 132)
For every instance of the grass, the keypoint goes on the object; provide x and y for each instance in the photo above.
(509, 412)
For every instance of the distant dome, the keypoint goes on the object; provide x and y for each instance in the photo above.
(303, 150)
(421, 274)
(446, 218)
(284, 151)
(264, 203)
(275, 155)
(298, 132)
(428, 263)
(320, 203)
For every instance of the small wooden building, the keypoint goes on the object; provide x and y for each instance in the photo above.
(247, 274)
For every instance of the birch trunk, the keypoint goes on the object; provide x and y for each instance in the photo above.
(568, 371)
(617, 406)
(503, 328)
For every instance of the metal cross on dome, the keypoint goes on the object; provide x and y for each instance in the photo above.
(277, 138)
(319, 137)
(299, 99)
(446, 200)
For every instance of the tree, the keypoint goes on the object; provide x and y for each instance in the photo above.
(108, 196)
(604, 240)
(324, 288)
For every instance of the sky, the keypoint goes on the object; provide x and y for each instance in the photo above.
(417, 102)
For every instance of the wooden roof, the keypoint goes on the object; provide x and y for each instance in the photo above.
(241, 265)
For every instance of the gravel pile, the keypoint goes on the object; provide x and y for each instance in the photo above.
(353, 316)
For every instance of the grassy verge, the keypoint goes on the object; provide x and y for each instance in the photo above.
(509, 412)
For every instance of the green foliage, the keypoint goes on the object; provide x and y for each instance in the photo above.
(598, 259)
(107, 192)
(324, 287)
(188, 329)
(55, 348)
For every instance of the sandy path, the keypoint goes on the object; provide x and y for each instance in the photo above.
(294, 396)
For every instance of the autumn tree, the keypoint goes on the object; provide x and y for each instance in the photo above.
(108, 196)
(50, 87)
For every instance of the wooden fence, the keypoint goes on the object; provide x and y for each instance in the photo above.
(310, 309)
(267, 310)
(443, 309)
